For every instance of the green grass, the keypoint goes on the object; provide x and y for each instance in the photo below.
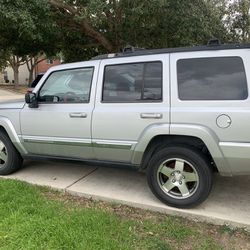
(32, 217)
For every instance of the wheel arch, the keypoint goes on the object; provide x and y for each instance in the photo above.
(7, 127)
(3, 130)
(160, 141)
(199, 137)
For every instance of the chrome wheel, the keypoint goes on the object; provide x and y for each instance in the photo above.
(3, 154)
(177, 178)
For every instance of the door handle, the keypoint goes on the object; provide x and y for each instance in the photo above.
(151, 115)
(77, 115)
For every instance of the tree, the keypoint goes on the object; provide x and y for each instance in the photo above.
(81, 29)
(238, 20)
(3, 59)
(27, 29)
(77, 15)
(32, 62)
(109, 25)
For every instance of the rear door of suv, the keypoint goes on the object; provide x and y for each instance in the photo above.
(132, 95)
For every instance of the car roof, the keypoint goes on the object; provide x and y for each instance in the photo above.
(141, 52)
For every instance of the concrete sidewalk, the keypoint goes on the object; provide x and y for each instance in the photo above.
(8, 95)
(228, 203)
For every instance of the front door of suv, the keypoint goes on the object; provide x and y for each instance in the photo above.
(61, 125)
(132, 95)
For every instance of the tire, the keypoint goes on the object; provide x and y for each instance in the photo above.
(10, 159)
(180, 176)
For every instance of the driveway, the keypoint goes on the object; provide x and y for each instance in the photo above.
(8, 95)
(228, 203)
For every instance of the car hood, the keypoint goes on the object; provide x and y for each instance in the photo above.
(12, 104)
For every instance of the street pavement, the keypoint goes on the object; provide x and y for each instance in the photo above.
(228, 203)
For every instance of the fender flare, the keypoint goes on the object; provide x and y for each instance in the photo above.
(205, 134)
(146, 136)
(9, 128)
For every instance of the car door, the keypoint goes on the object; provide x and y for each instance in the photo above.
(61, 125)
(130, 98)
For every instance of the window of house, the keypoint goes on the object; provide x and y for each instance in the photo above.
(133, 82)
(218, 78)
(49, 61)
(67, 86)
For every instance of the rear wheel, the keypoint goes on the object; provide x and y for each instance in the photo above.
(180, 176)
(10, 159)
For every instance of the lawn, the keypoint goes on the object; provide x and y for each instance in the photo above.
(34, 217)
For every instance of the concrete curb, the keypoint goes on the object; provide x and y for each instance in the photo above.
(167, 210)
(229, 202)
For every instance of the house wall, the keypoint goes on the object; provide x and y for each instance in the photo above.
(23, 74)
(43, 66)
(1, 78)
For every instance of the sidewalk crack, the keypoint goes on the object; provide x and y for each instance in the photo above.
(80, 179)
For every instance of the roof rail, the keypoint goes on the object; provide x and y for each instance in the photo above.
(131, 49)
(214, 42)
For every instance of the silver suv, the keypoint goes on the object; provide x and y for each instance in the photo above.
(178, 114)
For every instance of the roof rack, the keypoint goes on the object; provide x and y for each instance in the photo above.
(131, 49)
(213, 44)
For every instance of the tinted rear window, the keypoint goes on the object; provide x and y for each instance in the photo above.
(133, 82)
(219, 78)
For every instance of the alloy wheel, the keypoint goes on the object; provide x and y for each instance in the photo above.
(3, 154)
(177, 178)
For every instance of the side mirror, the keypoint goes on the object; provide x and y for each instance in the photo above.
(30, 98)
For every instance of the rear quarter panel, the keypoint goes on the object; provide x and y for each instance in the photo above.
(233, 142)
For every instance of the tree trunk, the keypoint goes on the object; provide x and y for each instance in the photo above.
(30, 67)
(86, 27)
(31, 64)
(16, 75)
(31, 76)
(15, 62)
(97, 36)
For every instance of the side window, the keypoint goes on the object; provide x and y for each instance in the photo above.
(218, 78)
(134, 82)
(153, 81)
(67, 86)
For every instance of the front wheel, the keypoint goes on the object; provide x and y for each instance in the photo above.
(10, 159)
(180, 176)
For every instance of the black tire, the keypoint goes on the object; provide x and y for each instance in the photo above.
(200, 168)
(13, 159)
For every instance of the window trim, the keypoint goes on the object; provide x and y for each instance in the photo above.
(137, 101)
(211, 100)
(88, 67)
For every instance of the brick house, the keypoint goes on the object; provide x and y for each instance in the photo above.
(43, 66)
